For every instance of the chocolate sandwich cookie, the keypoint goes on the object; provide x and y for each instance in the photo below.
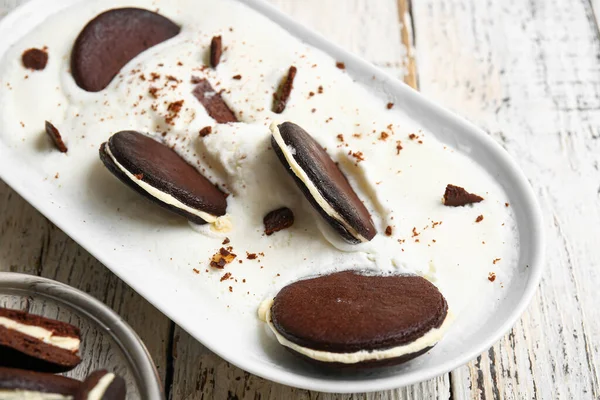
(33, 342)
(22, 384)
(322, 182)
(111, 40)
(160, 174)
(102, 385)
(355, 319)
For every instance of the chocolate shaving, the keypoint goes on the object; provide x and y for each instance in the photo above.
(479, 219)
(56, 138)
(455, 196)
(389, 106)
(216, 49)
(35, 59)
(285, 89)
(388, 231)
(237, 77)
(340, 65)
(213, 103)
(277, 220)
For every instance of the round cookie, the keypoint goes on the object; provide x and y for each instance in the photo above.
(102, 385)
(111, 40)
(322, 182)
(33, 342)
(21, 384)
(160, 174)
(355, 319)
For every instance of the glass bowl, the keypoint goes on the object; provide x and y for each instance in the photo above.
(108, 342)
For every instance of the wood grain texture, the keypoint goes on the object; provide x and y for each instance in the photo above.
(528, 73)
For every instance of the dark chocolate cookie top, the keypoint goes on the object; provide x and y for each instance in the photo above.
(162, 168)
(347, 311)
(111, 40)
(326, 176)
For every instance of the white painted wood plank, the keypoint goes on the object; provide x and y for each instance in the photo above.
(528, 73)
(370, 29)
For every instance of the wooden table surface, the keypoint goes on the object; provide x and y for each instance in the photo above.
(527, 72)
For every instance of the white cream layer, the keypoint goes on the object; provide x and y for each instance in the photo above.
(427, 340)
(98, 391)
(314, 192)
(157, 194)
(46, 336)
(30, 395)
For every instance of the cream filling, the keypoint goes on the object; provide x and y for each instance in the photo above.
(427, 340)
(103, 383)
(30, 395)
(46, 336)
(164, 197)
(314, 192)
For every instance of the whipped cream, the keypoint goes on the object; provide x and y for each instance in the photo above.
(39, 333)
(429, 339)
(399, 177)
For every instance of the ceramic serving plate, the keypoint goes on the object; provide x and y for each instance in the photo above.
(243, 341)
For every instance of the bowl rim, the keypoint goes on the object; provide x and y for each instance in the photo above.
(127, 340)
(409, 95)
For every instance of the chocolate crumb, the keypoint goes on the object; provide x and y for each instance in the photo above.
(230, 289)
(251, 256)
(456, 196)
(414, 232)
(277, 220)
(398, 147)
(388, 231)
(35, 59)
(139, 176)
(237, 77)
(412, 136)
(195, 80)
(389, 106)
(56, 137)
(320, 89)
(226, 276)
(506, 204)
(196, 271)
(222, 258)
(216, 49)
(479, 219)
(383, 136)
(496, 261)
(340, 65)
(153, 91)
(226, 241)
(491, 277)
(340, 137)
(313, 110)
(285, 89)
(205, 131)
